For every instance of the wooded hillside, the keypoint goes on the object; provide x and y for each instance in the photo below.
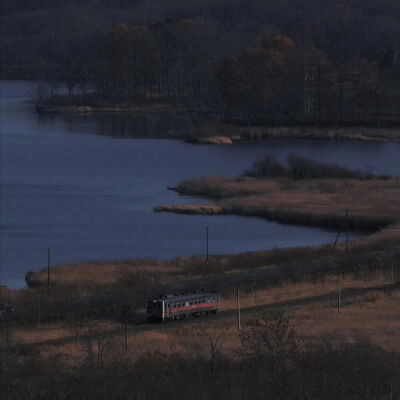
(325, 62)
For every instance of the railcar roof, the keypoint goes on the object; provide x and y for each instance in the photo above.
(183, 296)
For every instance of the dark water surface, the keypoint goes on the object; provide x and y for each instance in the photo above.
(85, 187)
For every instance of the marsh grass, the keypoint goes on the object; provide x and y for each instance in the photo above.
(372, 203)
(364, 258)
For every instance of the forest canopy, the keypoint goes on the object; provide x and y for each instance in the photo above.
(319, 61)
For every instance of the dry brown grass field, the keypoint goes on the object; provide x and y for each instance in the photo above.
(373, 317)
(371, 203)
(96, 346)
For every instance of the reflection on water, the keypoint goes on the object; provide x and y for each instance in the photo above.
(77, 185)
(145, 125)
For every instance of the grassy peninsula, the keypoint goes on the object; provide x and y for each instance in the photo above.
(306, 192)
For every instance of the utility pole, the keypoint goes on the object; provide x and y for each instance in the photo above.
(238, 307)
(126, 327)
(344, 224)
(48, 272)
(78, 331)
(393, 267)
(337, 237)
(7, 339)
(347, 230)
(39, 314)
(207, 246)
(338, 299)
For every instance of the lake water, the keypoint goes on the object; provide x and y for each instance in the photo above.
(85, 186)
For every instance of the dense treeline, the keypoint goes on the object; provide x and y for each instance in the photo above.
(270, 62)
(279, 80)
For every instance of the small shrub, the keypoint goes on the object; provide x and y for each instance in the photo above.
(299, 167)
(304, 168)
(267, 167)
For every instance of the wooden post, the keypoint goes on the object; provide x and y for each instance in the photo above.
(337, 237)
(39, 316)
(238, 308)
(126, 327)
(7, 338)
(347, 230)
(344, 224)
(207, 246)
(393, 268)
(78, 332)
(48, 272)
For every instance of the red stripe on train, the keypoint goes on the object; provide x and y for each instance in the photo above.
(191, 307)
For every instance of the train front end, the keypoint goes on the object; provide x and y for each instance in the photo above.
(155, 310)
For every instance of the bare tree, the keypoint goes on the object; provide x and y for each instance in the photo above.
(215, 341)
(272, 342)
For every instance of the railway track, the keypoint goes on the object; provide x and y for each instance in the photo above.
(348, 296)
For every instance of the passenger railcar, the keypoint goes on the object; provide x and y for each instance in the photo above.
(180, 306)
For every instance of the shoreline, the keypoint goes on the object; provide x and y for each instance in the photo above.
(147, 273)
(324, 201)
(228, 133)
(247, 197)
(237, 134)
(86, 109)
(363, 223)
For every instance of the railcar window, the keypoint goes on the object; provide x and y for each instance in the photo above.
(191, 303)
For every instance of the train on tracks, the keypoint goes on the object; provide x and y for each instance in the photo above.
(168, 307)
